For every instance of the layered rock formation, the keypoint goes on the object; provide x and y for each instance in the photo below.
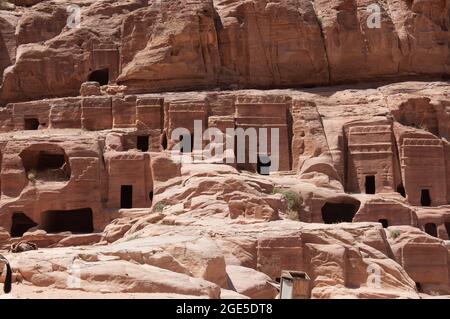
(185, 45)
(351, 186)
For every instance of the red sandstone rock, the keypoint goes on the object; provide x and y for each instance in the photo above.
(90, 88)
(160, 251)
(250, 283)
(359, 198)
(4, 235)
(221, 43)
(424, 258)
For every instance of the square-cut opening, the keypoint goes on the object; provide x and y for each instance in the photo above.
(142, 143)
(31, 124)
(126, 196)
(370, 184)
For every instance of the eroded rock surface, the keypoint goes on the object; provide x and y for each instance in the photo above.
(355, 190)
(185, 45)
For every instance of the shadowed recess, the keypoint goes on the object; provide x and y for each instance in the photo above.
(338, 213)
(78, 221)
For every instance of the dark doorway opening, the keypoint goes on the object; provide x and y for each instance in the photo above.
(384, 222)
(31, 124)
(447, 228)
(142, 143)
(150, 196)
(187, 143)
(263, 165)
(338, 213)
(100, 76)
(77, 221)
(401, 190)
(425, 197)
(431, 229)
(126, 196)
(164, 141)
(21, 223)
(370, 184)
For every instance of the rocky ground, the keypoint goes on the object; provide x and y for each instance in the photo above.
(212, 230)
(200, 252)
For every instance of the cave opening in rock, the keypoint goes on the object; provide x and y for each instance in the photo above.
(431, 229)
(263, 165)
(21, 223)
(100, 76)
(77, 221)
(46, 163)
(370, 184)
(126, 196)
(401, 190)
(142, 143)
(425, 197)
(150, 196)
(31, 124)
(333, 213)
(384, 222)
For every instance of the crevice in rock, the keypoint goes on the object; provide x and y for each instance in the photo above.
(322, 34)
(218, 26)
(269, 65)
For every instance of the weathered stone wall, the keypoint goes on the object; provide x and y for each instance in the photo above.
(371, 152)
(33, 186)
(187, 45)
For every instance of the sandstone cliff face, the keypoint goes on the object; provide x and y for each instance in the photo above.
(88, 172)
(8, 43)
(68, 165)
(270, 43)
(184, 45)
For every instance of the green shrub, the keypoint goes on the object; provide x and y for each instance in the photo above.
(320, 22)
(294, 202)
(394, 234)
(293, 215)
(159, 207)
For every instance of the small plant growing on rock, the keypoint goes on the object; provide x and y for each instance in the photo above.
(294, 202)
(159, 207)
(293, 215)
(320, 22)
(394, 234)
(32, 176)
